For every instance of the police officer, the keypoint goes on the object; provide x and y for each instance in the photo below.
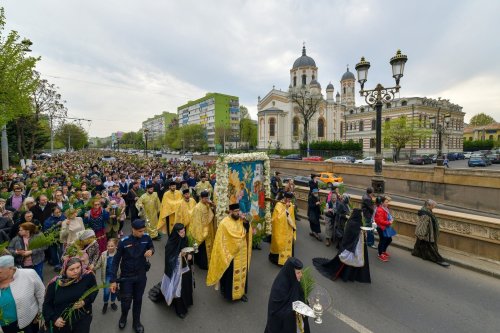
(131, 257)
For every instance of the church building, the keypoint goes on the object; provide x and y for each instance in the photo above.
(280, 123)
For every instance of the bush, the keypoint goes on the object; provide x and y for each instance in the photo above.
(333, 146)
(479, 145)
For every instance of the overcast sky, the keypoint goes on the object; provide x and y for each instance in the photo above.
(120, 62)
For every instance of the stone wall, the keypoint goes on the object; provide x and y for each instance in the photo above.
(475, 235)
(475, 189)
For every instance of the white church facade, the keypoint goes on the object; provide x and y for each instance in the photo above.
(279, 121)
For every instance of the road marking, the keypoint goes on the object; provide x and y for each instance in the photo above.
(349, 321)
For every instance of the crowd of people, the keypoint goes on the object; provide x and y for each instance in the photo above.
(70, 213)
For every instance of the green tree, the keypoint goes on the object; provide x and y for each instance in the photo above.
(244, 112)
(172, 138)
(248, 132)
(72, 136)
(194, 136)
(17, 79)
(402, 130)
(481, 119)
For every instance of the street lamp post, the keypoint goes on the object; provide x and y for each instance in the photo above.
(439, 126)
(375, 98)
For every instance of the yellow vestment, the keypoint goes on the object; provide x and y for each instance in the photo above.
(184, 212)
(202, 226)
(203, 186)
(232, 243)
(169, 204)
(283, 232)
(151, 204)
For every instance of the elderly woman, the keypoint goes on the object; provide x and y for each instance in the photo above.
(70, 227)
(21, 298)
(86, 248)
(19, 247)
(427, 233)
(66, 291)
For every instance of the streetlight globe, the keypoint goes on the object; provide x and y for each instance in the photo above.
(398, 65)
(362, 68)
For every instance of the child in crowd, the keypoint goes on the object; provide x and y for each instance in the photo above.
(106, 266)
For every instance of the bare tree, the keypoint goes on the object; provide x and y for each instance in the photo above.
(308, 103)
(47, 101)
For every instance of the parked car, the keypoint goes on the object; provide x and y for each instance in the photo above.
(494, 158)
(186, 158)
(158, 155)
(433, 158)
(458, 155)
(467, 154)
(196, 153)
(340, 159)
(293, 157)
(108, 158)
(274, 156)
(478, 161)
(451, 156)
(204, 153)
(212, 153)
(330, 178)
(313, 158)
(368, 160)
(420, 159)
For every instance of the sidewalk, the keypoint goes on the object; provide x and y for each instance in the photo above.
(454, 257)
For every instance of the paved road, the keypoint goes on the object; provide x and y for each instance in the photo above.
(406, 295)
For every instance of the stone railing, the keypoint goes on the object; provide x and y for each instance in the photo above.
(475, 189)
(475, 235)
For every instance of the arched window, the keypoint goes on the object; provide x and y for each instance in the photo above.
(294, 81)
(361, 125)
(295, 126)
(321, 128)
(261, 128)
(374, 123)
(344, 90)
(272, 127)
(304, 79)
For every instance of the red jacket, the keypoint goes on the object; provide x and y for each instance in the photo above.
(381, 218)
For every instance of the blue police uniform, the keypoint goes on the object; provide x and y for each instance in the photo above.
(130, 259)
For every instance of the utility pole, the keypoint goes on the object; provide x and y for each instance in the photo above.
(5, 149)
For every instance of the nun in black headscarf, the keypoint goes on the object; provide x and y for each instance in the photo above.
(177, 282)
(351, 262)
(286, 289)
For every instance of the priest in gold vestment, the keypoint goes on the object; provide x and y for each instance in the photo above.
(202, 229)
(231, 254)
(170, 201)
(284, 231)
(148, 206)
(203, 185)
(185, 209)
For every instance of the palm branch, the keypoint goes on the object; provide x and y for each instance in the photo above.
(307, 282)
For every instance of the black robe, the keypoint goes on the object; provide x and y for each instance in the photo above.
(335, 268)
(314, 213)
(286, 289)
(201, 258)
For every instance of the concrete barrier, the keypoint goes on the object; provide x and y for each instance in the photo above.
(475, 189)
(476, 235)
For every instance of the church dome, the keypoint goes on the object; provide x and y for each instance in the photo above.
(348, 76)
(329, 86)
(304, 60)
(315, 83)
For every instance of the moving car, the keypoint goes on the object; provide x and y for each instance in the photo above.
(158, 155)
(196, 153)
(368, 160)
(212, 153)
(420, 159)
(494, 158)
(330, 178)
(274, 156)
(304, 181)
(478, 161)
(313, 158)
(293, 157)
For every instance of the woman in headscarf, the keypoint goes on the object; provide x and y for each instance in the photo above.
(341, 215)
(351, 262)
(177, 282)
(427, 233)
(286, 289)
(65, 292)
(85, 248)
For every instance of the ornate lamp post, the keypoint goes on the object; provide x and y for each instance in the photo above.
(375, 98)
(440, 125)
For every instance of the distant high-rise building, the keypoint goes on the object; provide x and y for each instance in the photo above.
(158, 124)
(213, 111)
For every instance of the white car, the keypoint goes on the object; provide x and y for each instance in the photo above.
(196, 153)
(185, 158)
(368, 160)
(212, 153)
(467, 155)
(339, 159)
